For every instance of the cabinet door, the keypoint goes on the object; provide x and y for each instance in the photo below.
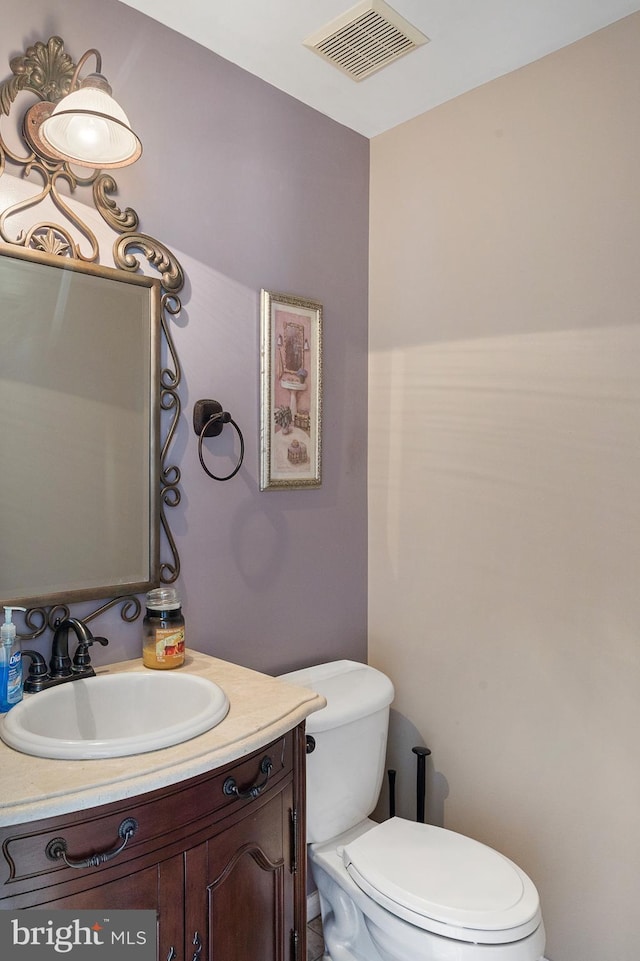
(240, 887)
(159, 888)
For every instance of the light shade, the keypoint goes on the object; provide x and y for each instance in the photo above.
(88, 127)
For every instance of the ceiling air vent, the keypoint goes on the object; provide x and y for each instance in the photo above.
(366, 38)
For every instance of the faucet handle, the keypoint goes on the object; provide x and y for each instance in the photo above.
(98, 640)
(81, 658)
(38, 673)
(38, 666)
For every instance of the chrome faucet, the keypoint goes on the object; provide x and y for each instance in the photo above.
(61, 667)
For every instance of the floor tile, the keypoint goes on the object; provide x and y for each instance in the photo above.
(315, 941)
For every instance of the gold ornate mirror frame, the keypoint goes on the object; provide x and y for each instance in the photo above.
(46, 71)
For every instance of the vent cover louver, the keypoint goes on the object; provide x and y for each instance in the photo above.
(365, 39)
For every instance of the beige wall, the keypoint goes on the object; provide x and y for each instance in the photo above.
(504, 474)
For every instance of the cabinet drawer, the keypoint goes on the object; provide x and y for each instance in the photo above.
(162, 821)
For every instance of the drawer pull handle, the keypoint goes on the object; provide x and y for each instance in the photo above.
(56, 850)
(231, 789)
(173, 954)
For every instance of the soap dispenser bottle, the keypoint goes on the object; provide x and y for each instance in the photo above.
(10, 662)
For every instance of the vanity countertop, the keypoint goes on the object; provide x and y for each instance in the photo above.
(261, 709)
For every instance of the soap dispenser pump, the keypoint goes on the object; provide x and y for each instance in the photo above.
(10, 662)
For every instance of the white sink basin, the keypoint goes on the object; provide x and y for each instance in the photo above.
(114, 715)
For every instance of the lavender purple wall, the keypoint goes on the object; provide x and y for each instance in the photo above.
(250, 189)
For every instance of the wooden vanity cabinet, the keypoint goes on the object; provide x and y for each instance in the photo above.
(225, 871)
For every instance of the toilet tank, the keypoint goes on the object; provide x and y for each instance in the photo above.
(346, 768)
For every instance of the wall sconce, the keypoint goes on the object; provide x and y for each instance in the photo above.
(86, 127)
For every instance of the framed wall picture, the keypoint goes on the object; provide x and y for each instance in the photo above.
(291, 392)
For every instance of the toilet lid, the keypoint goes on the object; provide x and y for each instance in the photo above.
(444, 882)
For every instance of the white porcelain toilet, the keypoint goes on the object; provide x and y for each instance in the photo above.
(400, 890)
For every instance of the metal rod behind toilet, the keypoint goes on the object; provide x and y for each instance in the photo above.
(391, 774)
(421, 753)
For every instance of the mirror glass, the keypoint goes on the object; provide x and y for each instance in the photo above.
(79, 429)
(293, 347)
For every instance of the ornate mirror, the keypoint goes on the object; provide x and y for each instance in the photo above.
(87, 411)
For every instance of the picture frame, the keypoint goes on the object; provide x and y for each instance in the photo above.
(291, 392)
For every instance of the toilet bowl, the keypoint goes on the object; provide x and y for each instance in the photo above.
(398, 891)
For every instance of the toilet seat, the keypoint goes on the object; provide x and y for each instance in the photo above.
(443, 882)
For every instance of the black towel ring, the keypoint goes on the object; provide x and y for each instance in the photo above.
(208, 421)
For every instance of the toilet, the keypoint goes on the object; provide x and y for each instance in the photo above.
(399, 890)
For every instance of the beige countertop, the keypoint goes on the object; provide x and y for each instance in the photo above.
(261, 709)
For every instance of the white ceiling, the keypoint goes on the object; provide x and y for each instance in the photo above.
(471, 42)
